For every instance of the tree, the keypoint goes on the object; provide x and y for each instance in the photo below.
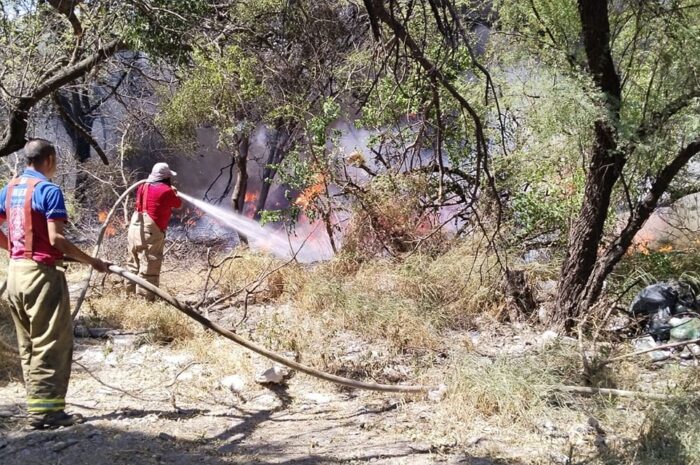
(39, 57)
(637, 63)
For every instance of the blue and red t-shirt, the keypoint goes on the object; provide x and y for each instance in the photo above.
(48, 204)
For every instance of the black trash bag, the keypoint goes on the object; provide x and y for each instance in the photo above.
(656, 304)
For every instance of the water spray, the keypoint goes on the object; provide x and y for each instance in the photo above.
(270, 241)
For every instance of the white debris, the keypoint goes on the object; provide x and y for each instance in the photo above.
(318, 398)
(547, 337)
(274, 375)
(436, 395)
(234, 383)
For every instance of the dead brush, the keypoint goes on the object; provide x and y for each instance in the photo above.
(265, 277)
(507, 391)
(10, 368)
(390, 219)
(407, 303)
(116, 310)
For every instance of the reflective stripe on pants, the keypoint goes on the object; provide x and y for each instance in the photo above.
(40, 307)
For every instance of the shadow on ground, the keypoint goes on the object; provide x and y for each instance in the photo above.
(97, 442)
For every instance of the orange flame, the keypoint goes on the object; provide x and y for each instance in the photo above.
(312, 192)
(102, 216)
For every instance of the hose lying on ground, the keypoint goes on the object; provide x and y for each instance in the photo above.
(256, 348)
(98, 243)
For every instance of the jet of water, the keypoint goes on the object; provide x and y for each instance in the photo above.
(264, 238)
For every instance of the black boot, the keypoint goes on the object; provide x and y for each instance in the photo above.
(54, 420)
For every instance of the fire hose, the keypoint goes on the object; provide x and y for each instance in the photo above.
(207, 323)
(98, 244)
(220, 329)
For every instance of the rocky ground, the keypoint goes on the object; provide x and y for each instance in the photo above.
(150, 404)
(197, 401)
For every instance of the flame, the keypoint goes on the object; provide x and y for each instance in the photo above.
(102, 216)
(307, 197)
(251, 196)
(666, 248)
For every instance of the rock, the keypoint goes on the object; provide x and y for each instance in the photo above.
(436, 395)
(546, 290)
(125, 342)
(166, 437)
(395, 374)
(537, 256)
(274, 375)
(547, 337)
(234, 383)
(318, 397)
(648, 342)
(59, 446)
(177, 359)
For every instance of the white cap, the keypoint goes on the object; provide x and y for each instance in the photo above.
(160, 172)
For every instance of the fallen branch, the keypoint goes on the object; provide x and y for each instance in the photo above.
(256, 348)
(645, 351)
(96, 250)
(611, 392)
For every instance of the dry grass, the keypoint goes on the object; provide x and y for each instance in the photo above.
(221, 356)
(407, 303)
(509, 391)
(10, 369)
(163, 322)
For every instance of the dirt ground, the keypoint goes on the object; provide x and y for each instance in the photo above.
(141, 408)
(149, 403)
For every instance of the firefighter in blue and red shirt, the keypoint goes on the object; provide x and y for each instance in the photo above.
(35, 212)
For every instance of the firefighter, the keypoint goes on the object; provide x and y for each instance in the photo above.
(155, 201)
(35, 213)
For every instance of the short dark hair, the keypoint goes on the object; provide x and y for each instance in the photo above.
(38, 150)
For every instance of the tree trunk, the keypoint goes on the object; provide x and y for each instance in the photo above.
(241, 187)
(275, 156)
(77, 109)
(604, 169)
(584, 238)
(14, 136)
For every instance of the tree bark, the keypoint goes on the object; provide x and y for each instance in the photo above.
(241, 187)
(638, 217)
(604, 169)
(275, 157)
(14, 137)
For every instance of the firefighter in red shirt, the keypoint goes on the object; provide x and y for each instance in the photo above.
(155, 201)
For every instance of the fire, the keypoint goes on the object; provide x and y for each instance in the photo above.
(102, 216)
(251, 196)
(307, 197)
(666, 249)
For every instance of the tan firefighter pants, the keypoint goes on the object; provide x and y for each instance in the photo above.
(146, 244)
(40, 307)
